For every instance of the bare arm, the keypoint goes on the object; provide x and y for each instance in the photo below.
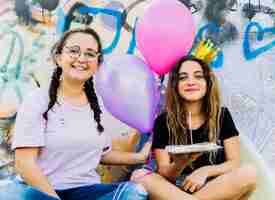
(127, 158)
(26, 166)
(232, 156)
(171, 170)
(197, 178)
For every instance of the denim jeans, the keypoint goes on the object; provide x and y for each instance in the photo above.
(119, 191)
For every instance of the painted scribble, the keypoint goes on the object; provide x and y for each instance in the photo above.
(244, 30)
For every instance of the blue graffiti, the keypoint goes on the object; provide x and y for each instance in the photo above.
(133, 44)
(119, 18)
(4, 67)
(250, 53)
(61, 21)
(202, 33)
(218, 62)
(9, 75)
(116, 14)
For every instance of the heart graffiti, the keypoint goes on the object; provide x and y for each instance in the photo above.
(249, 52)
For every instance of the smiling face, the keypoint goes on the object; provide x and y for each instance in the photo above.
(192, 85)
(79, 57)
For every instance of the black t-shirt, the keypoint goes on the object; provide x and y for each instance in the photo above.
(227, 130)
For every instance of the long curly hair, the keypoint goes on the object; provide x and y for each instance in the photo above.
(176, 110)
(89, 84)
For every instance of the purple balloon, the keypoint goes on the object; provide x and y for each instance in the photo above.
(128, 90)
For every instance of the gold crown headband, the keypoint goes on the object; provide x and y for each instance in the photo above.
(205, 51)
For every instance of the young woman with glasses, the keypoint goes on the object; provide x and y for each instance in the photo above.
(59, 139)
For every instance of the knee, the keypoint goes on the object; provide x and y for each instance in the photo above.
(248, 177)
(139, 175)
(136, 191)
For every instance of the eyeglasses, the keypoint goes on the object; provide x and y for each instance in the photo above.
(75, 52)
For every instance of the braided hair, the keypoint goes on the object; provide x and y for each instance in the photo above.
(89, 84)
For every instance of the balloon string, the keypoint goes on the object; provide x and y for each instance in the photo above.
(190, 127)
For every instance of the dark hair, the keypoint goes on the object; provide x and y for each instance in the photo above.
(176, 111)
(88, 86)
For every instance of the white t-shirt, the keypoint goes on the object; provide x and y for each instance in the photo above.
(71, 146)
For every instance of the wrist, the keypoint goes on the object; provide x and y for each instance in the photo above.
(141, 158)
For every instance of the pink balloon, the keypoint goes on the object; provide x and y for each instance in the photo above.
(165, 33)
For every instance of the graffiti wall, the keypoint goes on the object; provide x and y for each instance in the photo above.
(243, 29)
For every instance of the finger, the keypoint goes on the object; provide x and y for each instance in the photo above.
(173, 157)
(195, 156)
(183, 184)
(193, 188)
(187, 185)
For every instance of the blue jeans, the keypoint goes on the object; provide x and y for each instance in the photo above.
(120, 191)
